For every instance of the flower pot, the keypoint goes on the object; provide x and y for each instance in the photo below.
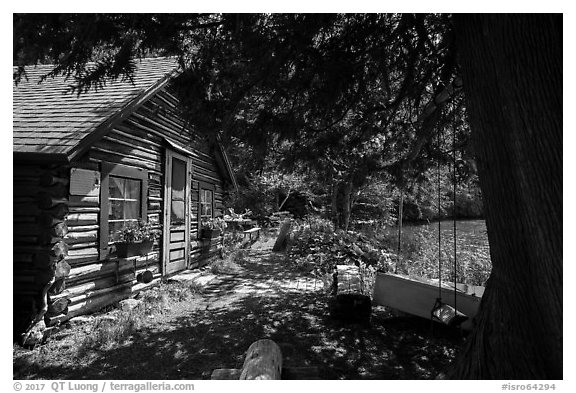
(126, 250)
(210, 233)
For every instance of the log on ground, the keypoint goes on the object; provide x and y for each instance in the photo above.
(263, 361)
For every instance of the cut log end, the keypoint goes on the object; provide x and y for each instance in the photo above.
(263, 361)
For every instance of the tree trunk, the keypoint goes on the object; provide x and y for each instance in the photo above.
(341, 204)
(512, 73)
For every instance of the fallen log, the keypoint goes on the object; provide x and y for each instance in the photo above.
(263, 361)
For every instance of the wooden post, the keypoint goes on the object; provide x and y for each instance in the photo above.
(263, 361)
(281, 241)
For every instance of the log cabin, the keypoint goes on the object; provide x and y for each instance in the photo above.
(86, 165)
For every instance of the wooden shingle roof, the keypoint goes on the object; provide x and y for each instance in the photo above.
(50, 120)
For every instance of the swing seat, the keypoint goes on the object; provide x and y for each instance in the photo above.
(446, 314)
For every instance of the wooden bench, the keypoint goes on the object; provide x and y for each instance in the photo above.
(253, 231)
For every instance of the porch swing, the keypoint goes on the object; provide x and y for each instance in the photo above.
(423, 297)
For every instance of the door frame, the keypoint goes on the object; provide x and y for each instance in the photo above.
(170, 154)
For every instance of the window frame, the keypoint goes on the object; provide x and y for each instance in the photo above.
(122, 171)
(201, 187)
(202, 191)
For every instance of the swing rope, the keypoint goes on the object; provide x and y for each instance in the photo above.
(441, 311)
(454, 207)
(439, 223)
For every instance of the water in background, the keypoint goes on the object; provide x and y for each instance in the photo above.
(419, 250)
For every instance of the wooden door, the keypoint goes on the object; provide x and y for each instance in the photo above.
(176, 212)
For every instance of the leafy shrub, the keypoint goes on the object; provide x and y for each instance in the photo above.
(318, 248)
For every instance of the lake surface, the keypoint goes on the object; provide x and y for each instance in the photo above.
(420, 250)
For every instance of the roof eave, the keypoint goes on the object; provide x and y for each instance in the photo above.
(40, 158)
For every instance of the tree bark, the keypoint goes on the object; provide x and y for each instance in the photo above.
(341, 204)
(512, 74)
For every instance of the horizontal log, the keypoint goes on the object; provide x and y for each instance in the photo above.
(113, 157)
(47, 220)
(58, 250)
(154, 193)
(65, 294)
(79, 246)
(89, 295)
(99, 301)
(50, 217)
(24, 240)
(28, 171)
(75, 290)
(126, 134)
(32, 190)
(84, 209)
(44, 258)
(154, 205)
(20, 258)
(263, 361)
(46, 201)
(43, 235)
(127, 149)
(81, 219)
(81, 201)
(83, 273)
(25, 200)
(83, 255)
(49, 179)
(47, 239)
(83, 228)
(24, 220)
(81, 237)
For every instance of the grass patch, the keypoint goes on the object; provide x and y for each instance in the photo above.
(108, 332)
(231, 264)
(117, 326)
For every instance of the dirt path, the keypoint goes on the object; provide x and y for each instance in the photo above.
(263, 299)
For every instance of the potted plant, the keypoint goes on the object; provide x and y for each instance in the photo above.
(135, 239)
(212, 227)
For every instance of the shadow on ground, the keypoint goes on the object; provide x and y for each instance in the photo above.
(216, 331)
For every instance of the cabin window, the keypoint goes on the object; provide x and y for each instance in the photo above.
(206, 203)
(123, 201)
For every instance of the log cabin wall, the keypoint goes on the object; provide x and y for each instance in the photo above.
(95, 279)
(40, 265)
